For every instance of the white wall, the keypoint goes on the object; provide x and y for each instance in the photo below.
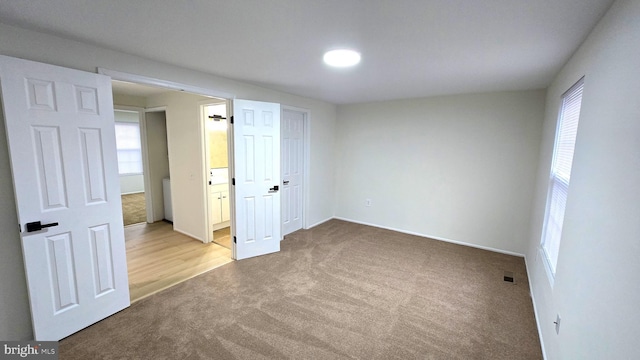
(129, 100)
(186, 160)
(455, 167)
(32, 45)
(131, 184)
(597, 285)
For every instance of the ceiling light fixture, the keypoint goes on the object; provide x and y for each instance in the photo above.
(341, 57)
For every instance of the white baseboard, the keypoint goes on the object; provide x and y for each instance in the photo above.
(186, 233)
(319, 223)
(133, 192)
(433, 237)
(221, 225)
(535, 309)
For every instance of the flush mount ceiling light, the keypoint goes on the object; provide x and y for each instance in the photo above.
(341, 58)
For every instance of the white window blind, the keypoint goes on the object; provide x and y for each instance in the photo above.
(561, 172)
(129, 148)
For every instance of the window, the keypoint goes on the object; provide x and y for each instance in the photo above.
(129, 148)
(561, 173)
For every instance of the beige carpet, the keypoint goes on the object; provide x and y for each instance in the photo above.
(337, 291)
(134, 209)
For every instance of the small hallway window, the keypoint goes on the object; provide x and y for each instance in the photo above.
(129, 148)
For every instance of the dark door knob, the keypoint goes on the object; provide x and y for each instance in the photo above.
(286, 182)
(37, 226)
(275, 188)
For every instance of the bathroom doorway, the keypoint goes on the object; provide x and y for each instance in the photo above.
(215, 121)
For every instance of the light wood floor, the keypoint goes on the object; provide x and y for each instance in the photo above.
(158, 257)
(223, 237)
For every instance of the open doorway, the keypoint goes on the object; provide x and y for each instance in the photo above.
(254, 143)
(164, 250)
(130, 168)
(215, 124)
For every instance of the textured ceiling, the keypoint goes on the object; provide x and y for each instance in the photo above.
(409, 48)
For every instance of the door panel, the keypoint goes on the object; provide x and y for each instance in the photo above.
(292, 166)
(93, 166)
(53, 191)
(61, 137)
(216, 210)
(60, 260)
(225, 206)
(101, 256)
(256, 134)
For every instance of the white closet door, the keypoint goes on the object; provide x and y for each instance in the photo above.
(292, 163)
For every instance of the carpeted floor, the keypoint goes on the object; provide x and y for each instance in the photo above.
(337, 291)
(134, 209)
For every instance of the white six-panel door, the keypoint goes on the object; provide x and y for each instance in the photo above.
(61, 136)
(256, 169)
(292, 163)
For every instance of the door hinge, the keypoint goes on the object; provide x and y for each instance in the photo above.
(233, 181)
(232, 119)
(234, 240)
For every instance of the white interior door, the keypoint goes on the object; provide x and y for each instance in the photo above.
(256, 169)
(292, 162)
(61, 136)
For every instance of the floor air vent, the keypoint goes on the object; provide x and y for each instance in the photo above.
(508, 277)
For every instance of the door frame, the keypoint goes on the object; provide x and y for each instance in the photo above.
(175, 86)
(206, 163)
(171, 85)
(306, 154)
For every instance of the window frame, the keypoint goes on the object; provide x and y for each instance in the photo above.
(136, 150)
(560, 183)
